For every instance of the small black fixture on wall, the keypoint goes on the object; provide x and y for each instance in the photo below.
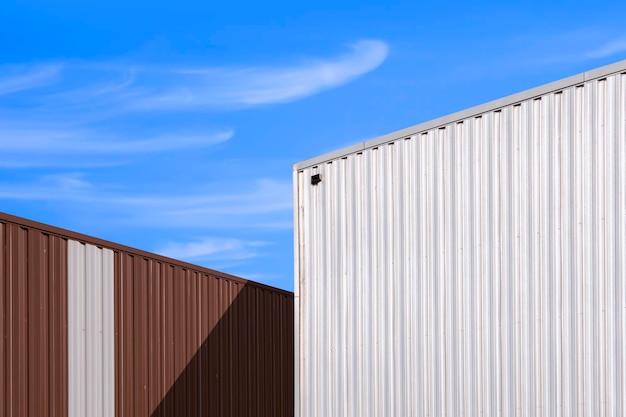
(316, 179)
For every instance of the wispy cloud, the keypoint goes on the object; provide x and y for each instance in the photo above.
(579, 46)
(211, 248)
(235, 87)
(264, 203)
(52, 113)
(610, 48)
(56, 146)
(130, 86)
(76, 140)
(67, 182)
(551, 54)
(18, 78)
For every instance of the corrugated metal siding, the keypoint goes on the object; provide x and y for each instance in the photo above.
(190, 343)
(149, 335)
(33, 344)
(91, 378)
(473, 269)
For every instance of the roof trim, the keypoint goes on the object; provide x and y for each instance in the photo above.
(467, 113)
(116, 247)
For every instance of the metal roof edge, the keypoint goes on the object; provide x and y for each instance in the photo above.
(464, 114)
(118, 247)
(359, 146)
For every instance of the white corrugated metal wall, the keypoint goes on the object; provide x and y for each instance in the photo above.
(472, 269)
(91, 344)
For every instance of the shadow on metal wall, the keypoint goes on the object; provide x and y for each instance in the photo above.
(244, 367)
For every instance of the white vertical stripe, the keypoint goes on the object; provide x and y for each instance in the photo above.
(91, 354)
(108, 334)
(76, 338)
(93, 333)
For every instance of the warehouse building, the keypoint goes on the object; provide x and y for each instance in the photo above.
(93, 328)
(472, 265)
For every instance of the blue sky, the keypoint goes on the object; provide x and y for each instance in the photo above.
(173, 126)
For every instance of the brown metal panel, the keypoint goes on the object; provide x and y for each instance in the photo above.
(58, 326)
(37, 326)
(19, 320)
(118, 328)
(4, 300)
(179, 346)
(204, 354)
(256, 354)
(154, 317)
(224, 351)
(238, 352)
(140, 332)
(193, 342)
(169, 365)
(260, 342)
(201, 345)
(212, 348)
(33, 329)
(125, 372)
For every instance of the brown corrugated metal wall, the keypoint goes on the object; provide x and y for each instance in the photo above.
(33, 326)
(189, 341)
(192, 343)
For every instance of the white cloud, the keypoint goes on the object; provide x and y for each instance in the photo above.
(262, 204)
(579, 46)
(233, 87)
(82, 114)
(546, 52)
(84, 141)
(120, 87)
(67, 182)
(26, 145)
(212, 248)
(20, 78)
(608, 49)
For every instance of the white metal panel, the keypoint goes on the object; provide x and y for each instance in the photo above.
(474, 268)
(91, 354)
(108, 334)
(93, 319)
(76, 337)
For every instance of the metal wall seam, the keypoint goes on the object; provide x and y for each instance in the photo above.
(5, 373)
(76, 330)
(33, 345)
(90, 331)
(297, 213)
(476, 268)
(108, 333)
